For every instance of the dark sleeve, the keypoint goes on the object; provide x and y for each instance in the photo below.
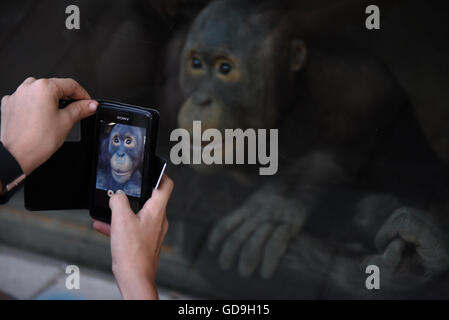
(9, 171)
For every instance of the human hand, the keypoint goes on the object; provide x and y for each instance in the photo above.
(136, 241)
(32, 125)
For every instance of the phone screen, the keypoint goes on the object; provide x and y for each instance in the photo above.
(120, 160)
(123, 156)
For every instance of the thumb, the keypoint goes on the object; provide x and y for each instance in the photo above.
(121, 210)
(81, 109)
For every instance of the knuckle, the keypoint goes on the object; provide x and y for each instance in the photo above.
(75, 83)
(148, 205)
(30, 79)
(170, 181)
(156, 203)
(171, 184)
(77, 111)
(4, 99)
(42, 83)
(43, 86)
(20, 88)
(67, 80)
(113, 201)
(158, 210)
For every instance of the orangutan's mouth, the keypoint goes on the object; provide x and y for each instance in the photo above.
(120, 173)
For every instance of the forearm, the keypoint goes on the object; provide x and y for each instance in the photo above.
(135, 287)
(11, 174)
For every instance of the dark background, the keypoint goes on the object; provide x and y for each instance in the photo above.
(129, 51)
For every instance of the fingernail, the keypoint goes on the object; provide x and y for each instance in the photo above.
(119, 192)
(93, 106)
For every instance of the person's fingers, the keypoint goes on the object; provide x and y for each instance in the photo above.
(158, 199)
(79, 110)
(70, 89)
(102, 228)
(161, 195)
(28, 80)
(164, 230)
(120, 208)
(162, 236)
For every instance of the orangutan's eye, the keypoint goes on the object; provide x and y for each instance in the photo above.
(196, 63)
(225, 68)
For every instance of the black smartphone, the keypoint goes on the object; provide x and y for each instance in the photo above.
(124, 156)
